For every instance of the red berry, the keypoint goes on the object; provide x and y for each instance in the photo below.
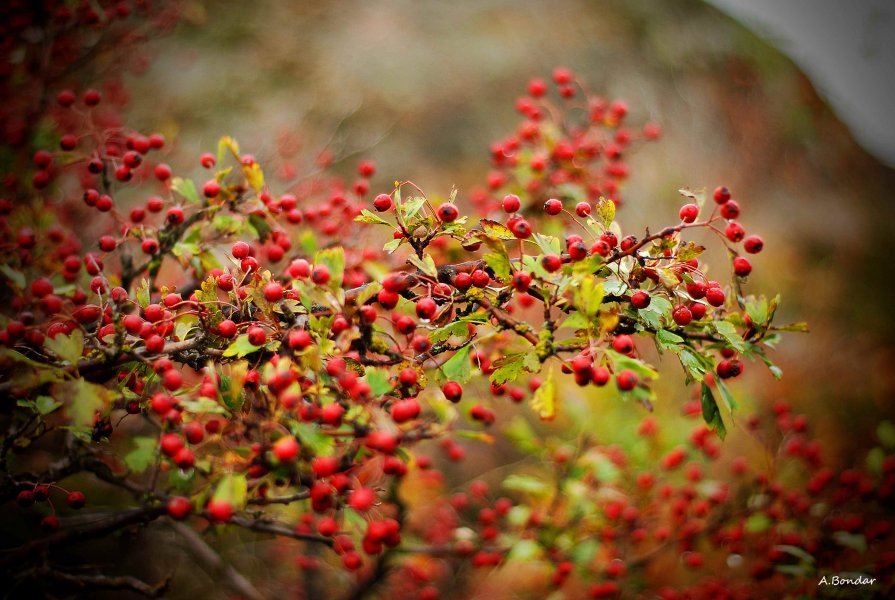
(286, 449)
(689, 212)
(741, 266)
(623, 344)
(730, 209)
(273, 292)
(753, 244)
(382, 202)
(626, 380)
(511, 203)
(220, 511)
(320, 275)
(92, 97)
(175, 215)
(211, 188)
(179, 507)
(453, 391)
(257, 335)
(299, 339)
(721, 195)
(207, 160)
(734, 231)
(715, 296)
(682, 316)
(553, 206)
(448, 213)
(227, 328)
(551, 263)
(640, 299)
(582, 209)
(425, 308)
(240, 250)
(521, 229)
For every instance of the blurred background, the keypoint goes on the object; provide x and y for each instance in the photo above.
(788, 103)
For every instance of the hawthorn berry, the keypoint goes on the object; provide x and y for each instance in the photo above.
(383, 202)
(689, 213)
(521, 229)
(447, 212)
(320, 275)
(511, 203)
(425, 308)
(682, 316)
(623, 344)
(220, 511)
(227, 328)
(178, 507)
(730, 209)
(640, 299)
(741, 266)
(286, 449)
(721, 195)
(553, 206)
(734, 231)
(582, 209)
(273, 292)
(753, 244)
(211, 189)
(257, 335)
(626, 380)
(453, 391)
(715, 296)
(551, 263)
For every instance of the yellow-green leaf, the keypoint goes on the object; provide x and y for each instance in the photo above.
(67, 347)
(544, 400)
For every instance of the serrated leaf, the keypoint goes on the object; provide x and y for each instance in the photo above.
(411, 207)
(544, 400)
(232, 488)
(499, 263)
(67, 347)
(378, 381)
(547, 243)
(605, 211)
(142, 293)
(689, 250)
(139, 459)
(186, 188)
(493, 230)
(507, 368)
(622, 362)
(202, 405)
(240, 347)
(366, 216)
(227, 143)
(83, 400)
(425, 265)
(710, 412)
(457, 328)
(457, 368)
(392, 245)
(727, 330)
(666, 339)
(315, 440)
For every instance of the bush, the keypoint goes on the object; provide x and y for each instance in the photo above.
(234, 353)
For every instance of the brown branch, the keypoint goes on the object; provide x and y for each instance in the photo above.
(104, 582)
(266, 526)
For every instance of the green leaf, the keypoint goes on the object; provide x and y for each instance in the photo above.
(525, 550)
(544, 400)
(366, 216)
(14, 276)
(575, 321)
(710, 412)
(666, 339)
(726, 396)
(378, 381)
(457, 328)
(526, 484)
(83, 400)
(727, 330)
(240, 347)
(588, 296)
(499, 262)
(493, 230)
(457, 368)
(855, 541)
(688, 250)
(757, 523)
(186, 188)
(232, 488)
(547, 243)
(885, 432)
(310, 436)
(411, 207)
(697, 197)
(139, 459)
(227, 143)
(334, 259)
(507, 368)
(45, 405)
(392, 245)
(604, 470)
(425, 265)
(260, 225)
(626, 362)
(202, 406)
(521, 435)
(605, 212)
(67, 347)
(142, 293)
